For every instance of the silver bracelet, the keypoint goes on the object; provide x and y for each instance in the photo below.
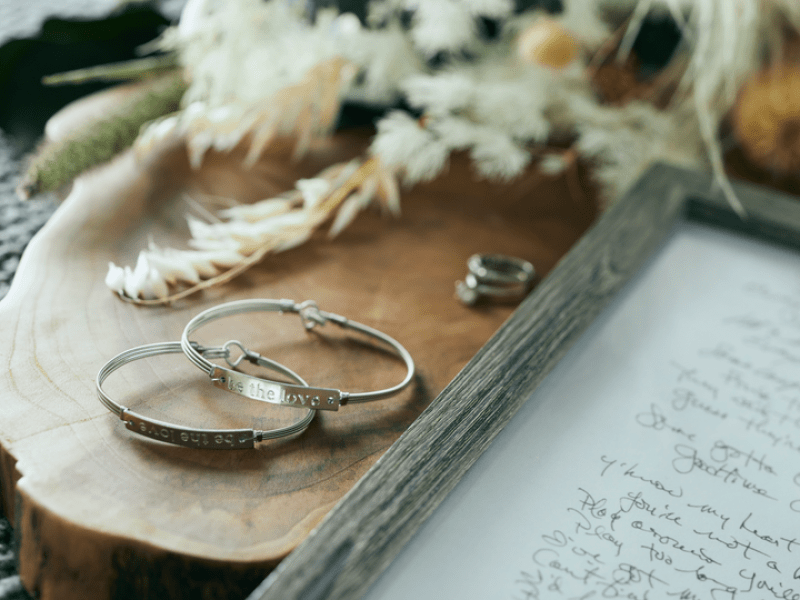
(226, 439)
(279, 393)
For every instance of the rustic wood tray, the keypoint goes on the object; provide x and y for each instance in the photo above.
(384, 511)
(100, 513)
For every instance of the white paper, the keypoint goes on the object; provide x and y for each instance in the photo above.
(660, 459)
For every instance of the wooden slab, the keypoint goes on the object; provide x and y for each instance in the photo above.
(103, 514)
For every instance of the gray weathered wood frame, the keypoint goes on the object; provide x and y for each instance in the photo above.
(369, 526)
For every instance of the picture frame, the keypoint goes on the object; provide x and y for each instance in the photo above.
(366, 530)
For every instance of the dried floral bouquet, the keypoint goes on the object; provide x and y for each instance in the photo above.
(478, 76)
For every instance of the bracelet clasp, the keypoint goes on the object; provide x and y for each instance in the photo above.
(310, 315)
(246, 354)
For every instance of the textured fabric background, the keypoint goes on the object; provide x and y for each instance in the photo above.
(10, 586)
(18, 220)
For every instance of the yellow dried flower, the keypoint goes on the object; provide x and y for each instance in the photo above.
(766, 118)
(547, 43)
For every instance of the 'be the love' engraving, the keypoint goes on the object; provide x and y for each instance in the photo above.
(191, 438)
(274, 392)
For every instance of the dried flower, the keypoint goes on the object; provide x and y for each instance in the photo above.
(261, 69)
(403, 144)
(305, 110)
(766, 118)
(442, 26)
(547, 43)
(221, 251)
(60, 162)
(624, 141)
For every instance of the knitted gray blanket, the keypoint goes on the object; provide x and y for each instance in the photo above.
(19, 221)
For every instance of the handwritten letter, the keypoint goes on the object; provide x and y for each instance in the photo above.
(661, 458)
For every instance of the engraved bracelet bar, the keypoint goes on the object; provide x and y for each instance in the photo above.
(224, 439)
(273, 391)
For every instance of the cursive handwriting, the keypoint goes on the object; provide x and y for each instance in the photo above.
(705, 502)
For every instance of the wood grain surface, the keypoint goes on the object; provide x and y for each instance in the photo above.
(360, 537)
(103, 514)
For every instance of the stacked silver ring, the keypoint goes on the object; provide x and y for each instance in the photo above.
(301, 396)
(495, 277)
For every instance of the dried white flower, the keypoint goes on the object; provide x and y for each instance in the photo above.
(440, 94)
(144, 280)
(516, 105)
(257, 211)
(313, 190)
(497, 157)
(624, 141)
(352, 206)
(582, 18)
(261, 69)
(441, 26)
(193, 15)
(223, 249)
(387, 58)
(115, 278)
(496, 9)
(172, 266)
(493, 110)
(402, 143)
(458, 133)
(553, 164)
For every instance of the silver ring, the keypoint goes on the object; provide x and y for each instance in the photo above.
(275, 392)
(501, 269)
(222, 439)
(497, 277)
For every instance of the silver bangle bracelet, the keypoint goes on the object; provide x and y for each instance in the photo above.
(278, 393)
(226, 439)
